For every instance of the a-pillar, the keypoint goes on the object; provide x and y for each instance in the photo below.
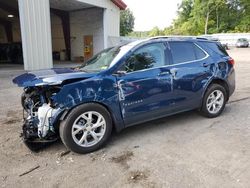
(34, 17)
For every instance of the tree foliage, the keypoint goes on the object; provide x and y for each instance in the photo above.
(197, 17)
(211, 16)
(156, 32)
(127, 20)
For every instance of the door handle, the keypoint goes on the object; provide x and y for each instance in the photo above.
(164, 73)
(205, 64)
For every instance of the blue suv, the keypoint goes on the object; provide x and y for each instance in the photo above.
(123, 86)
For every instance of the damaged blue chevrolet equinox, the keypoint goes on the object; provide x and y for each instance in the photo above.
(123, 86)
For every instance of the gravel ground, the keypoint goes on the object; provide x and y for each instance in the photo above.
(184, 150)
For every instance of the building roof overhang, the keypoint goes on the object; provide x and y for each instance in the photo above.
(120, 4)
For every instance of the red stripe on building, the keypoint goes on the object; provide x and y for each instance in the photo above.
(120, 4)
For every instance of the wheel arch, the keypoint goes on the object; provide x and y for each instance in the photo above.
(115, 124)
(221, 82)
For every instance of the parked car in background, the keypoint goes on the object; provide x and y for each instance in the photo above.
(123, 86)
(242, 43)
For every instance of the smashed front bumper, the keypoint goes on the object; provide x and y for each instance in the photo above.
(30, 134)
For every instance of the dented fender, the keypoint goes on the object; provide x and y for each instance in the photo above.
(221, 72)
(97, 89)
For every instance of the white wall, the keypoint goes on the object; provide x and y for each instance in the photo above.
(111, 19)
(111, 25)
(231, 38)
(86, 22)
(36, 34)
(102, 23)
(100, 3)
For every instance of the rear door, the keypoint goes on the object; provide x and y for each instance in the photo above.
(190, 71)
(145, 86)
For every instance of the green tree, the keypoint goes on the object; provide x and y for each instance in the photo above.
(244, 23)
(195, 17)
(127, 20)
(155, 32)
(209, 7)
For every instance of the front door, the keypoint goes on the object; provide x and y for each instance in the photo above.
(145, 87)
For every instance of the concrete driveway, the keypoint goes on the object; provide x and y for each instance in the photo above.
(185, 150)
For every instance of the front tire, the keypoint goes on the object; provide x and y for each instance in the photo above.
(214, 101)
(86, 128)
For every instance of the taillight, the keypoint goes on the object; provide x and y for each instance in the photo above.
(231, 61)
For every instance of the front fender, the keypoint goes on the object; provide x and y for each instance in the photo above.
(99, 90)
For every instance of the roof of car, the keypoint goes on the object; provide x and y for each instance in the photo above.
(128, 46)
(166, 38)
(242, 38)
(177, 37)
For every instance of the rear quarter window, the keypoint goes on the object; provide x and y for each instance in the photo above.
(200, 54)
(216, 47)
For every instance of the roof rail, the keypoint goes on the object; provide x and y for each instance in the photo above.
(177, 36)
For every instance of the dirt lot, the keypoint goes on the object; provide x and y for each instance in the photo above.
(185, 150)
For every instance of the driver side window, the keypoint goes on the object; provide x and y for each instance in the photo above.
(146, 57)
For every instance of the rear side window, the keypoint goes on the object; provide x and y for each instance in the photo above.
(185, 51)
(217, 47)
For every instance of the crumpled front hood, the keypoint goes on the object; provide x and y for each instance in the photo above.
(49, 77)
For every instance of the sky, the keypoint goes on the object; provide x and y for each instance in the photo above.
(151, 13)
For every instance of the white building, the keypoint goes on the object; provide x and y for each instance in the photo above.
(75, 29)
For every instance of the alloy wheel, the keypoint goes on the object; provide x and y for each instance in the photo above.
(88, 129)
(215, 101)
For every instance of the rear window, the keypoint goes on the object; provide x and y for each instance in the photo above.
(217, 47)
(185, 51)
(242, 40)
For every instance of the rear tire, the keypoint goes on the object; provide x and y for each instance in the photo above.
(214, 101)
(86, 128)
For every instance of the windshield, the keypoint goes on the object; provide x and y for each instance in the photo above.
(100, 61)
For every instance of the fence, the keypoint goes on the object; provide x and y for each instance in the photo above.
(230, 38)
(113, 41)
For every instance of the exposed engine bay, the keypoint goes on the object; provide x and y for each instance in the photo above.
(39, 116)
